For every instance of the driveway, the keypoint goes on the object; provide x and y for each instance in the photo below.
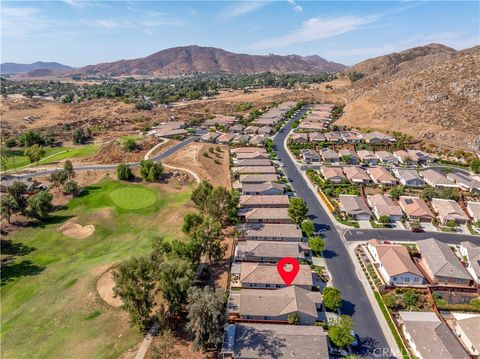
(365, 224)
(428, 227)
(338, 260)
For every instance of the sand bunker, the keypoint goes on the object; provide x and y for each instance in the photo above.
(77, 231)
(105, 286)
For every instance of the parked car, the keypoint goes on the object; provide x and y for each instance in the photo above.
(417, 230)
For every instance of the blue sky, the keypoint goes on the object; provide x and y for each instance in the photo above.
(79, 33)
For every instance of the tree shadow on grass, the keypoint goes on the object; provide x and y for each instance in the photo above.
(13, 270)
(48, 221)
(8, 247)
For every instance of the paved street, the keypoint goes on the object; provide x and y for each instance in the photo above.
(337, 258)
(157, 158)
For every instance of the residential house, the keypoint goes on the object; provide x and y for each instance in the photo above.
(464, 181)
(266, 305)
(467, 329)
(251, 130)
(381, 176)
(367, 157)
(471, 254)
(333, 174)
(394, 263)
(265, 215)
(241, 139)
(420, 156)
(334, 137)
(271, 232)
(348, 156)
(351, 137)
(378, 138)
(258, 178)
(437, 180)
(299, 137)
(272, 252)
(247, 341)
(309, 156)
(384, 206)
(386, 157)
(356, 175)
(256, 140)
(316, 137)
(254, 170)
(265, 188)
(405, 158)
(252, 155)
(226, 138)
(237, 150)
(170, 125)
(265, 131)
(266, 121)
(264, 201)
(449, 210)
(169, 133)
(473, 209)
(429, 337)
(329, 155)
(238, 128)
(409, 178)
(220, 120)
(265, 275)
(7, 181)
(254, 162)
(354, 207)
(416, 209)
(312, 126)
(441, 264)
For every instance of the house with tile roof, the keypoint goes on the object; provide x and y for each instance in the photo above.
(429, 337)
(267, 305)
(441, 264)
(471, 253)
(383, 205)
(394, 263)
(265, 275)
(416, 209)
(381, 176)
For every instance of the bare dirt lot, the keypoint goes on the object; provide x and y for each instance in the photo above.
(214, 167)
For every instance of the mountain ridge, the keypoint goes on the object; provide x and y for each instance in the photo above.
(18, 68)
(190, 59)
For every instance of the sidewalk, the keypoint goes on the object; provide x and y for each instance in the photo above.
(371, 298)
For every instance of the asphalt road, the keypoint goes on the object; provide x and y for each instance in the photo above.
(395, 235)
(160, 157)
(337, 258)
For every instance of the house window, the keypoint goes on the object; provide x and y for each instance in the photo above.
(395, 278)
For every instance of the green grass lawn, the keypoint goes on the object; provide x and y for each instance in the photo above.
(133, 197)
(19, 160)
(50, 307)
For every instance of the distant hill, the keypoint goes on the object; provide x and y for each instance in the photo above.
(430, 92)
(195, 59)
(15, 68)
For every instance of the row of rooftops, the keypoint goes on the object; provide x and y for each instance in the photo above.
(414, 208)
(439, 262)
(263, 303)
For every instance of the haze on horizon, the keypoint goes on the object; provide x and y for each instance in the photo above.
(79, 33)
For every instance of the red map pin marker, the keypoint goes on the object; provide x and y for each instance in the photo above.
(288, 269)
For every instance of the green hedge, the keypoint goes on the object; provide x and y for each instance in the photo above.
(392, 326)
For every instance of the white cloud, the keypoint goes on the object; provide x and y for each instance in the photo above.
(296, 7)
(316, 29)
(106, 24)
(194, 12)
(21, 21)
(243, 8)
